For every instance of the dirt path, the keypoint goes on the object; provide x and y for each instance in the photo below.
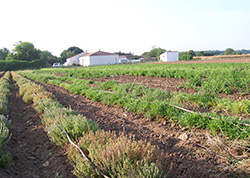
(182, 147)
(34, 156)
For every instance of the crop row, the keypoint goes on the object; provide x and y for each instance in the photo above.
(5, 158)
(114, 155)
(156, 103)
(218, 78)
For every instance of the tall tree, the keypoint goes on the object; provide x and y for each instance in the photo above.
(191, 52)
(155, 52)
(24, 51)
(4, 53)
(229, 51)
(71, 51)
(48, 57)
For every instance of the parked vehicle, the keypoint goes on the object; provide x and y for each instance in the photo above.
(56, 65)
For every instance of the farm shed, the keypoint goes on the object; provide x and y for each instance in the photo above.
(74, 59)
(99, 58)
(169, 56)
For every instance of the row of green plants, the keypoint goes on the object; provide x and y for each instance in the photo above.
(217, 78)
(5, 124)
(115, 155)
(156, 103)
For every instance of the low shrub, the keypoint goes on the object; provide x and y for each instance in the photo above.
(5, 158)
(117, 156)
(122, 157)
(5, 90)
(5, 86)
(69, 120)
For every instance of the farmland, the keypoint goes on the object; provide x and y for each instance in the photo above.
(192, 118)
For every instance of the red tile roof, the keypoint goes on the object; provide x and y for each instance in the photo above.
(98, 53)
(122, 56)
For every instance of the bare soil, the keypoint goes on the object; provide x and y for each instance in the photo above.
(183, 148)
(169, 84)
(34, 156)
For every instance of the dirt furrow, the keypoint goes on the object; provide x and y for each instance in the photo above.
(34, 156)
(185, 158)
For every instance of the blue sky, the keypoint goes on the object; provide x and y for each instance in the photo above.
(126, 25)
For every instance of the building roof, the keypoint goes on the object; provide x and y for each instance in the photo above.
(99, 53)
(171, 52)
(122, 56)
(80, 54)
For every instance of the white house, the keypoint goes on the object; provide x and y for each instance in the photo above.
(98, 58)
(74, 59)
(122, 59)
(169, 56)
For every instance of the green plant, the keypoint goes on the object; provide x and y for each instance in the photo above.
(117, 156)
(5, 158)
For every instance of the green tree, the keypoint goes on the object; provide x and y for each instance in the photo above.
(71, 51)
(25, 51)
(119, 53)
(4, 53)
(200, 53)
(185, 57)
(48, 57)
(155, 52)
(229, 51)
(239, 53)
(191, 52)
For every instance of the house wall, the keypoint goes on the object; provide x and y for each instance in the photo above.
(74, 59)
(169, 56)
(103, 60)
(85, 61)
(122, 60)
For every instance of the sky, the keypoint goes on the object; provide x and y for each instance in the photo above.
(126, 25)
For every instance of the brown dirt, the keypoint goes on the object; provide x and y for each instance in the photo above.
(184, 154)
(34, 156)
(169, 84)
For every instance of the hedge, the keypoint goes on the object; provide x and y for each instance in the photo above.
(21, 65)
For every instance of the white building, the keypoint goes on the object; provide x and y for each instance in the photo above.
(74, 59)
(122, 59)
(98, 58)
(169, 56)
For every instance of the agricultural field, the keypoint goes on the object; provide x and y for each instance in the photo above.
(145, 120)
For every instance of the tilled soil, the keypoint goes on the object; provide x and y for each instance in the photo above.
(184, 154)
(169, 84)
(34, 156)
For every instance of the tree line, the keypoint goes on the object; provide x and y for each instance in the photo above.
(188, 55)
(26, 51)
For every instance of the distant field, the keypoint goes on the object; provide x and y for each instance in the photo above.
(236, 58)
(213, 59)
